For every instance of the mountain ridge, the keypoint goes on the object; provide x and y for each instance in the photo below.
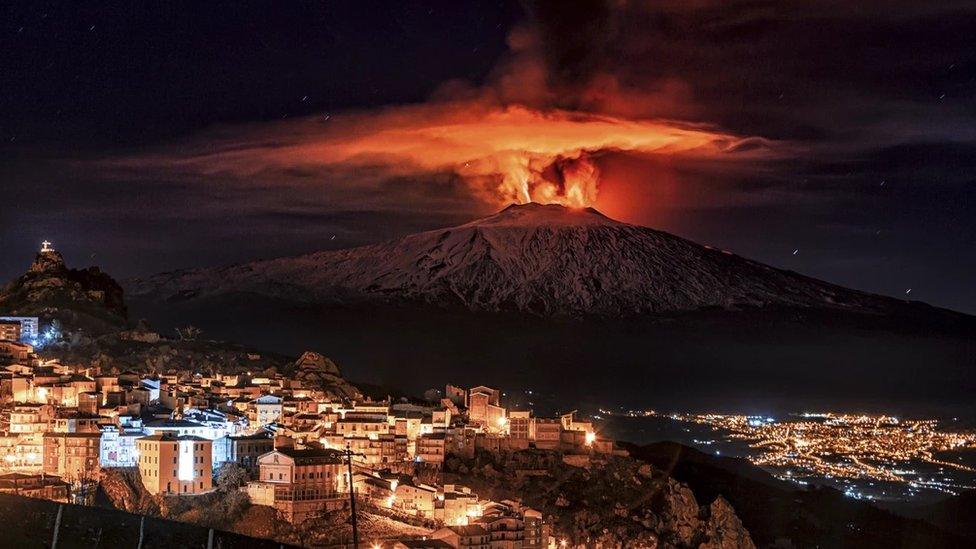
(545, 260)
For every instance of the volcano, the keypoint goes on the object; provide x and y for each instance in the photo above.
(545, 260)
(586, 309)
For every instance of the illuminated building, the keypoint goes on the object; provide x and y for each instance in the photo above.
(118, 448)
(521, 426)
(419, 499)
(472, 536)
(30, 418)
(456, 395)
(458, 506)
(9, 330)
(175, 464)
(431, 448)
(361, 425)
(484, 409)
(536, 533)
(265, 409)
(547, 433)
(34, 486)
(72, 456)
(243, 450)
(27, 327)
(298, 483)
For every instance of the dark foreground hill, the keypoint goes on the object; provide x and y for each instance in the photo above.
(29, 522)
(955, 514)
(776, 513)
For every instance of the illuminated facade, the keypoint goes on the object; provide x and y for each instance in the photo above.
(72, 456)
(175, 464)
(10, 330)
(298, 483)
(28, 327)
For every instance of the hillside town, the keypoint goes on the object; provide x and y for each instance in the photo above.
(298, 437)
(96, 410)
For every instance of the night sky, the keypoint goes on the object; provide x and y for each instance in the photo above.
(841, 138)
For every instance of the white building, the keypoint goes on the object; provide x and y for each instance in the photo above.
(118, 449)
(267, 409)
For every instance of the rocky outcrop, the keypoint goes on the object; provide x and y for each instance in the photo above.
(318, 372)
(723, 529)
(614, 502)
(124, 490)
(86, 300)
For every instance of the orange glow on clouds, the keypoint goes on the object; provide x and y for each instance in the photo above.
(506, 153)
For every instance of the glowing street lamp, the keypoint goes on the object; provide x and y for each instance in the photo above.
(590, 438)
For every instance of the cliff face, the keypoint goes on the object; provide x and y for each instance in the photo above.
(84, 299)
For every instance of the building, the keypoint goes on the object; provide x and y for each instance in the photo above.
(28, 327)
(175, 464)
(15, 352)
(300, 484)
(72, 456)
(118, 447)
(34, 486)
(548, 432)
(431, 449)
(244, 450)
(9, 330)
(459, 505)
(521, 425)
(505, 531)
(266, 409)
(484, 408)
(456, 395)
(472, 536)
(418, 499)
(512, 526)
(536, 535)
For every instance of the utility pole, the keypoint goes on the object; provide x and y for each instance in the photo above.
(352, 499)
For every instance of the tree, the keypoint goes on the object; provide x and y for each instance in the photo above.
(230, 477)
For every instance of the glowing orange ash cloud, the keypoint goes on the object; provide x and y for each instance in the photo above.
(507, 153)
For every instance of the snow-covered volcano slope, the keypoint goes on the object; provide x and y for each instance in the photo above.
(546, 260)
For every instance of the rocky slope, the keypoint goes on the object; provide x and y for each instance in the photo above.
(609, 502)
(547, 260)
(86, 299)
